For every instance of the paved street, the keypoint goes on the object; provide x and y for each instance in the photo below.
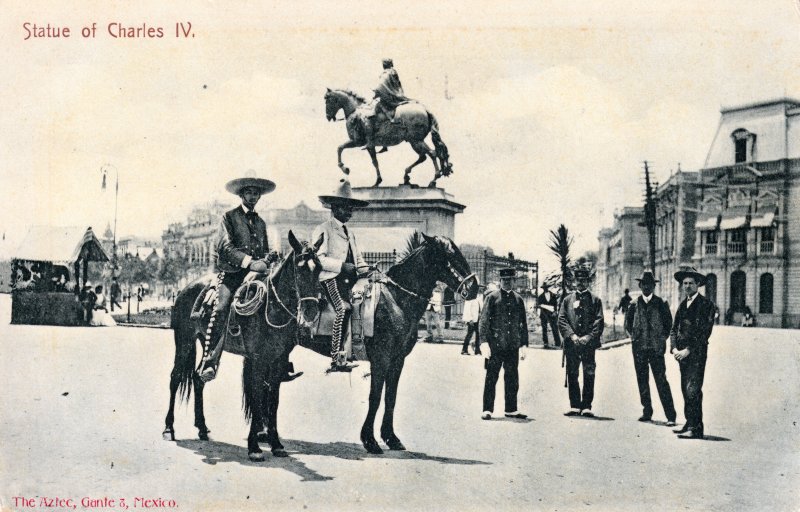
(83, 408)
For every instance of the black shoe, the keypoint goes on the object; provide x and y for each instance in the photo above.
(478, 353)
(464, 353)
(693, 433)
(682, 430)
(646, 417)
(517, 415)
(587, 413)
(346, 368)
(289, 377)
(573, 412)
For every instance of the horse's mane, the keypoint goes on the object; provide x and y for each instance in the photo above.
(400, 267)
(353, 95)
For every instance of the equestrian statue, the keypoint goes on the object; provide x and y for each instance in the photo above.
(389, 119)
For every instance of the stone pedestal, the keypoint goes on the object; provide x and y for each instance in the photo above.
(396, 212)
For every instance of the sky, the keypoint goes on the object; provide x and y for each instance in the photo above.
(548, 108)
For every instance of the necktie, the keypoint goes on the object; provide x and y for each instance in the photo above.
(344, 228)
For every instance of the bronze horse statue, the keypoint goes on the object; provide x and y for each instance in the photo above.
(412, 123)
(290, 301)
(403, 299)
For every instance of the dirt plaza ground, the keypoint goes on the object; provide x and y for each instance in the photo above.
(82, 411)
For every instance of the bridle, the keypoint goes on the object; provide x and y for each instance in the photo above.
(462, 289)
(298, 315)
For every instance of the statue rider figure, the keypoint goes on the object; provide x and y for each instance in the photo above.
(389, 93)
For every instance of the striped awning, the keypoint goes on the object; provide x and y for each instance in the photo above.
(707, 222)
(762, 219)
(734, 218)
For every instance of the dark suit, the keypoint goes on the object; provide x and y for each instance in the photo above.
(649, 324)
(504, 326)
(691, 329)
(581, 314)
(240, 236)
(549, 318)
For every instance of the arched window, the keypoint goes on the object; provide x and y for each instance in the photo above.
(738, 290)
(765, 294)
(711, 287)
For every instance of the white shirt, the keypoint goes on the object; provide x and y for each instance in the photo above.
(646, 298)
(472, 309)
(691, 299)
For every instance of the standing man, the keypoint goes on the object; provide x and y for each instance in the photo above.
(691, 329)
(433, 315)
(342, 264)
(472, 315)
(503, 330)
(116, 291)
(241, 247)
(580, 321)
(624, 302)
(548, 315)
(648, 322)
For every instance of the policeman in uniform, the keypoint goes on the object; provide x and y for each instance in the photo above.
(241, 247)
(341, 262)
(503, 330)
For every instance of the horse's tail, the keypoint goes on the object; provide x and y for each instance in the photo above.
(439, 146)
(247, 391)
(185, 343)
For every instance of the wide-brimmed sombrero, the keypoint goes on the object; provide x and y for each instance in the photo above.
(342, 195)
(685, 272)
(250, 180)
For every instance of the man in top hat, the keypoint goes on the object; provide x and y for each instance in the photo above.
(691, 329)
(341, 262)
(580, 320)
(548, 308)
(648, 322)
(503, 330)
(241, 247)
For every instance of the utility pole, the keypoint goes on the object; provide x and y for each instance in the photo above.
(650, 215)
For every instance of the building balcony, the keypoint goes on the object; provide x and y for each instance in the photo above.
(710, 250)
(766, 247)
(738, 248)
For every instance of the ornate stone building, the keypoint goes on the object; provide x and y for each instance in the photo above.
(748, 227)
(620, 260)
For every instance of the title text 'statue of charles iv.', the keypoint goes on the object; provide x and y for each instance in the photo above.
(114, 29)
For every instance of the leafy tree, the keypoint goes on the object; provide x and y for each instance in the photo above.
(172, 271)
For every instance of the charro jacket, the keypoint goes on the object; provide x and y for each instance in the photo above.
(333, 244)
(237, 238)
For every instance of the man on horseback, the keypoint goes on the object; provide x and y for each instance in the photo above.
(242, 246)
(341, 265)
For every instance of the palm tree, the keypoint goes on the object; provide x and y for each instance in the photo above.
(559, 244)
(414, 240)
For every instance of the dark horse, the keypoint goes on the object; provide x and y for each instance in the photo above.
(268, 334)
(412, 123)
(409, 286)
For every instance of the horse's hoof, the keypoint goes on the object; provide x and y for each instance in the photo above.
(394, 444)
(168, 434)
(256, 456)
(432, 184)
(372, 446)
(378, 182)
(203, 435)
(345, 170)
(279, 452)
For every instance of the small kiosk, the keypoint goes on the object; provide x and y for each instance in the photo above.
(47, 273)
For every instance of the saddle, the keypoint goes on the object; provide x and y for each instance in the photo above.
(364, 299)
(204, 306)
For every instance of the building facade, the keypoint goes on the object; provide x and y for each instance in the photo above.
(748, 228)
(621, 256)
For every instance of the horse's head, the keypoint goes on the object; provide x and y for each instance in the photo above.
(307, 268)
(338, 99)
(332, 105)
(451, 266)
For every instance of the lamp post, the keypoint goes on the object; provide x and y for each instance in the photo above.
(105, 169)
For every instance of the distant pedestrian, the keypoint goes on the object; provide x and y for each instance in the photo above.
(471, 317)
(691, 329)
(548, 315)
(648, 322)
(433, 315)
(624, 302)
(503, 330)
(116, 291)
(580, 320)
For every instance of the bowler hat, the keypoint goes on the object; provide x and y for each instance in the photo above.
(647, 277)
(685, 272)
(342, 195)
(250, 180)
(508, 272)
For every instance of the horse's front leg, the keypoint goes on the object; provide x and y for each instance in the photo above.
(347, 145)
(387, 426)
(376, 389)
(374, 157)
(199, 415)
(272, 395)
